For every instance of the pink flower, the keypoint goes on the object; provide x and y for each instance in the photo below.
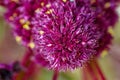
(66, 36)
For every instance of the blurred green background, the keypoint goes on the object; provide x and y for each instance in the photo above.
(11, 51)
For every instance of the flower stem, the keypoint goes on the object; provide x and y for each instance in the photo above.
(1, 2)
(92, 71)
(55, 75)
(28, 65)
(99, 70)
(85, 74)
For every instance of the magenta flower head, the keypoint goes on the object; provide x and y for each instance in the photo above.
(65, 34)
(106, 12)
(19, 14)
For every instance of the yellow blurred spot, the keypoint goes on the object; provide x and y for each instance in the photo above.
(18, 39)
(11, 18)
(22, 21)
(104, 53)
(107, 5)
(27, 22)
(49, 11)
(41, 32)
(26, 26)
(31, 45)
(15, 14)
(64, 0)
(110, 30)
(15, 1)
(93, 1)
(42, 3)
(48, 5)
(37, 10)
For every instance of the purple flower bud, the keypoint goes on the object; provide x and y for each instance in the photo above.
(66, 35)
(19, 13)
(106, 11)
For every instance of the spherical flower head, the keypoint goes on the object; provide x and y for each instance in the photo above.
(106, 12)
(65, 35)
(19, 13)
